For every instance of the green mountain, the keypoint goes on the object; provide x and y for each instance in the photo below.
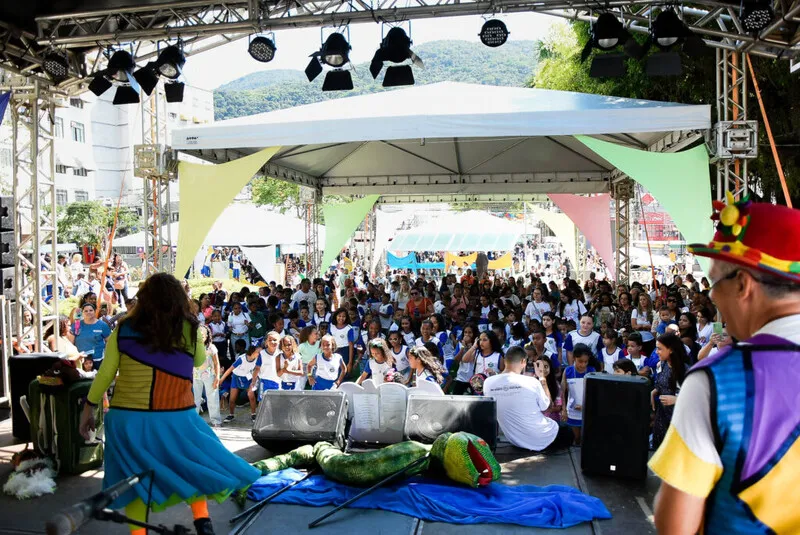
(512, 64)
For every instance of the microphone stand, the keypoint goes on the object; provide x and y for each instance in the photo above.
(115, 516)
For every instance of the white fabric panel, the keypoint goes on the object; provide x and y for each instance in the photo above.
(445, 110)
(465, 231)
(263, 258)
(386, 224)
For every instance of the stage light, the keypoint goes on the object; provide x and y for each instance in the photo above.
(174, 91)
(56, 65)
(668, 32)
(606, 34)
(494, 33)
(170, 62)
(756, 15)
(261, 49)
(395, 48)
(335, 52)
(119, 72)
(147, 77)
(120, 66)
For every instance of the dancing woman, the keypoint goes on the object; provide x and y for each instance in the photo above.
(152, 423)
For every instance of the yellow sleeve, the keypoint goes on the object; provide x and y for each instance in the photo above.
(199, 351)
(107, 372)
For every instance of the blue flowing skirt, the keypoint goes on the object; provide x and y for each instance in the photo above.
(188, 459)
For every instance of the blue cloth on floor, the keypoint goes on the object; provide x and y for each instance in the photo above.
(553, 506)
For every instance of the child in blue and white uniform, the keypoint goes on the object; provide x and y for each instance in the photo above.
(344, 336)
(399, 354)
(572, 389)
(244, 370)
(290, 365)
(270, 362)
(406, 332)
(379, 362)
(583, 335)
(386, 313)
(321, 312)
(426, 367)
(328, 368)
(610, 352)
(428, 336)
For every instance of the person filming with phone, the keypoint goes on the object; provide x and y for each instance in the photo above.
(729, 459)
(522, 402)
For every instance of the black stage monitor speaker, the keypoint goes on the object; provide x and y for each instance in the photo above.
(287, 420)
(427, 417)
(616, 425)
(22, 369)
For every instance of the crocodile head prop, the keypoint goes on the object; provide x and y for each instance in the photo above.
(466, 459)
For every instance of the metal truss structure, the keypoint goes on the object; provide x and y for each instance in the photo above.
(311, 202)
(622, 193)
(32, 114)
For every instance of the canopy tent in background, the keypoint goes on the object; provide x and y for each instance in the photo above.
(463, 231)
(503, 262)
(679, 181)
(205, 191)
(243, 224)
(564, 229)
(263, 259)
(641, 257)
(386, 223)
(341, 220)
(592, 216)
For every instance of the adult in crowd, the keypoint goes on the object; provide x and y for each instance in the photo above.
(419, 308)
(522, 402)
(118, 271)
(304, 295)
(728, 460)
(152, 423)
(91, 334)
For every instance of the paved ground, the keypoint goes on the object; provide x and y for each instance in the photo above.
(628, 501)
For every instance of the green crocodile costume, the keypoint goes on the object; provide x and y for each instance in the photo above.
(463, 457)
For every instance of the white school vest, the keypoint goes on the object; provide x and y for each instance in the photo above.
(329, 369)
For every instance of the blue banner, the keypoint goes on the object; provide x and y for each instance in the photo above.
(4, 98)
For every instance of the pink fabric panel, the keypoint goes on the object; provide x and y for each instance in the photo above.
(592, 216)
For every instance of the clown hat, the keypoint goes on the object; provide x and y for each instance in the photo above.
(761, 236)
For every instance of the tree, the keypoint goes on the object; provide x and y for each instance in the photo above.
(89, 223)
(560, 68)
(276, 193)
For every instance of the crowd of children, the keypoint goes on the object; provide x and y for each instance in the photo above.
(451, 332)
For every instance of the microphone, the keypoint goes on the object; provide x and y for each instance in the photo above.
(74, 517)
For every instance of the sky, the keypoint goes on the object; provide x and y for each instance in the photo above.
(294, 46)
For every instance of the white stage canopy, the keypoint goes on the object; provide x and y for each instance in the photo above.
(446, 138)
(242, 224)
(455, 232)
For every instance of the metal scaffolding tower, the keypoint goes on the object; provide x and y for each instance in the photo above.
(32, 116)
(152, 166)
(311, 202)
(622, 192)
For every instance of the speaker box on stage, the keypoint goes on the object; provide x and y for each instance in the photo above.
(22, 369)
(616, 425)
(427, 417)
(287, 420)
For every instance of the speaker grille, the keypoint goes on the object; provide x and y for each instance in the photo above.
(427, 417)
(302, 417)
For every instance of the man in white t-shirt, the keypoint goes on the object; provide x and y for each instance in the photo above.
(304, 294)
(521, 401)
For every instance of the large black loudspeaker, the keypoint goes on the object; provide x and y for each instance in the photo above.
(287, 420)
(427, 417)
(22, 369)
(8, 249)
(616, 425)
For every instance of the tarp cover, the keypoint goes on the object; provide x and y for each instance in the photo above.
(554, 506)
(464, 231)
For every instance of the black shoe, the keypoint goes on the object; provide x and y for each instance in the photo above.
(203, 526)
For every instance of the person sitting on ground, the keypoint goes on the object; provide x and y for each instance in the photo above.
(521, 405)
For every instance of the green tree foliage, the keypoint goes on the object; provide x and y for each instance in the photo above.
(560, 68)
(89, 223)
(276, 193)
(455, 61)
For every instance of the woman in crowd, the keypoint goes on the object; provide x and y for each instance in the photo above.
(91, 334)
(705, 326)
(643, 321)
(624, 309)
(63, 341)
(118, 271)
(145, 427)
(670, 373)
(206, 377)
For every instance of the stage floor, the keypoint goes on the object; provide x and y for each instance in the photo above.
(628, 501)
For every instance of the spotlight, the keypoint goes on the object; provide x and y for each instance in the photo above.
(667, 32)
(56, 65)
(170, 62)
(395, 48)
(494, 33)
(756, 15)
(335, 52)
(262, 49)
(606, 34)
(119, 72)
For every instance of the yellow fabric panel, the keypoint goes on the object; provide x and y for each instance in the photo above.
(675, 464)
(774, 498)
(504, 262)
(107, 372)
(449, 258)
(133, 392)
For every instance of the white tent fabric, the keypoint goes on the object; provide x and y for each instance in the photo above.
(465, 231)
(386, 224)
(640, 257)
(242, 224)
(414, 140)
(263, 259)
(445, 110)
